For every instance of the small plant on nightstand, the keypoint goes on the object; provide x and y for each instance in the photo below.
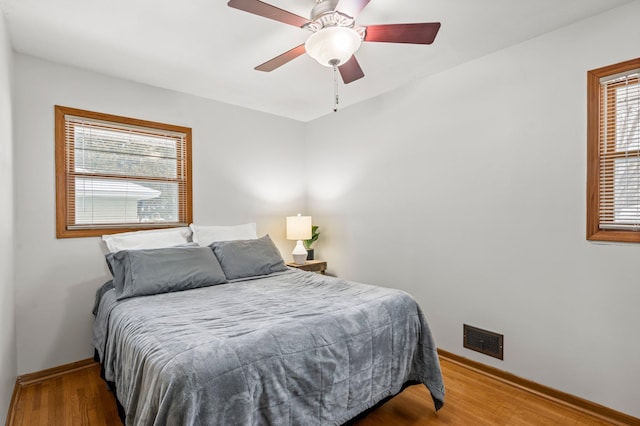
(308, 243)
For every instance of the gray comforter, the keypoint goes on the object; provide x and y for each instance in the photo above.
(292, 348)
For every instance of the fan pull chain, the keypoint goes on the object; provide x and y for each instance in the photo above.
(335, 89)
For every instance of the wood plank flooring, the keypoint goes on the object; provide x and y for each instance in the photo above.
(82, 398)
(77, 398)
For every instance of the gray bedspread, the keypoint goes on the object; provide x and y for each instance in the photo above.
(291, 348)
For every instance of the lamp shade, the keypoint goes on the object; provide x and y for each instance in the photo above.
(298, 227)
(333, 45)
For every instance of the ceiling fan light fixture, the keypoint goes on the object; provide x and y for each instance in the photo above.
(333, 46)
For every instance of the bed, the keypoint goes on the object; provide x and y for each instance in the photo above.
(267, 344)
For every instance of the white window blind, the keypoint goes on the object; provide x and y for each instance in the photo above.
(619, 152)
(123, 175)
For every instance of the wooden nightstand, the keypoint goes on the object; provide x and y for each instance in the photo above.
(319, 266)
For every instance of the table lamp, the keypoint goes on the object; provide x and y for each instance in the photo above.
(299, 228)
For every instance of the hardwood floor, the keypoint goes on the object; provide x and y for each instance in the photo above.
(472, 399)
(77, 398)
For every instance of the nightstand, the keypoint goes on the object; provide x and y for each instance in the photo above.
(319, 266)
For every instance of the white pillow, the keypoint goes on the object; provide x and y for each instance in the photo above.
(205, 235)
(156, 238)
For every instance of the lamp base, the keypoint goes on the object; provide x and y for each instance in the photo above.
(299, 254)
(299, 259)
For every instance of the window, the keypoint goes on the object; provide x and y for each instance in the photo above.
(613, 153)
(117, 174)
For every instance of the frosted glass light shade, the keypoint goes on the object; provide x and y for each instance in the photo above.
(333, 45)
(298, 227)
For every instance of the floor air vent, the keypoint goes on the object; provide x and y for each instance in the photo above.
(483, 341)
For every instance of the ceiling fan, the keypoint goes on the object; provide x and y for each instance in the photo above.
(335, 36)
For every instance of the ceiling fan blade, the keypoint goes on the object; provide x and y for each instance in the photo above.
(423, 33)
(280, 60)
(352, 7)
(350, 70)
(268, 11)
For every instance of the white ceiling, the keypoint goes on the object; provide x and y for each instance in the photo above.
(205, 48)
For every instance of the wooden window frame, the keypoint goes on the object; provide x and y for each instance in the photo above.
(594, 233)
(63, 195)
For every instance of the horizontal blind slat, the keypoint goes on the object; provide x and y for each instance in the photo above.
(122, 175)
(619, 150)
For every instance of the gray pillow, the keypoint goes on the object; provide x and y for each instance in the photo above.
(248, 258)
(153, 271)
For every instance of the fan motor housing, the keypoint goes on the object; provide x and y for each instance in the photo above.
(323, 7)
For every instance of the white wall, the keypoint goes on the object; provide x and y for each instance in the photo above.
(245, 167)
(439, 188)
(7, 288)
(467, 189)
